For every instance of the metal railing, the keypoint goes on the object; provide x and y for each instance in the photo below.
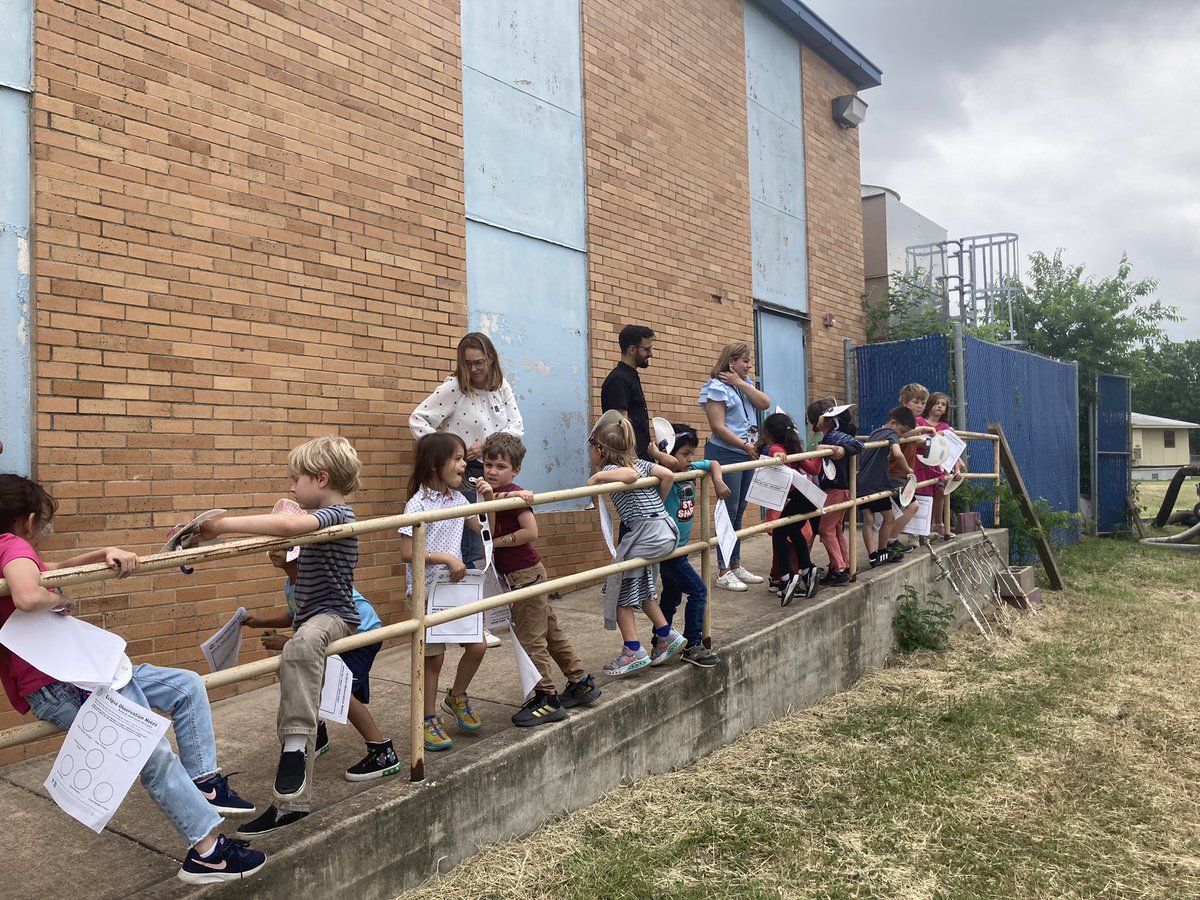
(413, 629)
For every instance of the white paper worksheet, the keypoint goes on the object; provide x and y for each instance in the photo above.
(64, 647)
(957, 446)
(222, 649)
(808, 488)
(770, 487)
(335, 691)
(445, 594)
(726, 536)
(919, 524)
(109, 742)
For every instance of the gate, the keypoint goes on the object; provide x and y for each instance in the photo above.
(1111, 455)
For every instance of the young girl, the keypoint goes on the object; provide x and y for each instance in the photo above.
(936, 409)
(780, 438)
(188, 788)
(834, 480)
(651, 533)
(437, 474)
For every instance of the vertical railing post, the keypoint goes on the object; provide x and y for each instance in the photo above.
(706, 564)
(418, 610)
(853, 561)
(996, 469)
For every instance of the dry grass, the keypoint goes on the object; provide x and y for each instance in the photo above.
(1060, 761)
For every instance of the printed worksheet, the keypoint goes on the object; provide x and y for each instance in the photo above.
(770, 487)
(726, 536)
(957, 446)
(222, 649)
(445, 594)
(335, 691)
(65, 647)
(922, 518)
(105, 750)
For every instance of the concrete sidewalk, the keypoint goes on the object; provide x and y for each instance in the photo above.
(50, 855)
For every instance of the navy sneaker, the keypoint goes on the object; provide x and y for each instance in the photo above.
(380, 761)
(580, 693)
(321, 744)
(271, 820)
(222, 798)
(538, 710)
(289, 777)
(230, 860)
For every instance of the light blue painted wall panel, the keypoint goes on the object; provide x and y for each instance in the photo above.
(530, 298)
(524, 162)
(776, 162)
(781, 363)
(531, 45)
(15, 313)
(16, 43)
(779, 256)
(772, 66)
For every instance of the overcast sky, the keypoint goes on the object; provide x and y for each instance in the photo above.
(1072, 122)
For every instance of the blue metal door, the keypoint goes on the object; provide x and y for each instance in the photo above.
(1110, 452)
(782, 371)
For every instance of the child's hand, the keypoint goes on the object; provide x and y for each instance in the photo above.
(721, 488)
(527, 496)
(277, 558)
(778, 456)
(251, 622)
(484, 490)
(458, 569)
(208, 528)
(274, 642)
(838, 453)
(122, 561)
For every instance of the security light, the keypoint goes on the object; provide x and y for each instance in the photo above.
(849, 111)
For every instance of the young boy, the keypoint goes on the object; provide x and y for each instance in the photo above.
(381, 757)
(533, 620)
(913, 397)
(873, 479)
(323, 471)
(188, 788)
(678, 576)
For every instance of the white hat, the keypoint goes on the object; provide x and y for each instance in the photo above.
(664, 434)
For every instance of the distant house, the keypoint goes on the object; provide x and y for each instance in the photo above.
(1160, 446)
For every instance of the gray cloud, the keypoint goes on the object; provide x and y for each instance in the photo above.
(1067, 122)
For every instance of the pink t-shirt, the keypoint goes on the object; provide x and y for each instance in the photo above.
(19, 677)
(924, 472)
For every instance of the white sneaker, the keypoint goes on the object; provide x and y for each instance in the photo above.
(747, 577)
(731, 582)
(492, 640)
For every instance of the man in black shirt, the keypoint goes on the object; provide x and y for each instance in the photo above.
(622, 388)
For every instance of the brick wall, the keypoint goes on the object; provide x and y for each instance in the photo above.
(249, 230)
(835, 238)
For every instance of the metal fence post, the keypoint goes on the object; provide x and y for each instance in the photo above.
(853, 561)
(960, 380)
(706, 564)
(996, 469)
(848, 373)
(417, 661)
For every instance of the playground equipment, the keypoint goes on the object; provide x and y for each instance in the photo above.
(1168, 515)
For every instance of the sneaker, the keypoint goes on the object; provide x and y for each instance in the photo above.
(435, 736)
(665, 648)
(896, 547)
(892, 557)
(774, 586)
(791, 586)
(731, 582)
(812, 580)
(878, 558)
(230, 860)
(460, 708)
(580, 693)
(380, 760)
(539, 710)
(747, 577)
(271, 820)
(289, 776)
(222, 798)
(322, 741)
(839, 577)
(628, 661)
(490, 639)
(699, 655)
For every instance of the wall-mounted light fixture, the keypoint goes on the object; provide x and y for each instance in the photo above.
(849, 111)
(829, 321)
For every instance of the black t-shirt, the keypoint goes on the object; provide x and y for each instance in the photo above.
(873, 464)
(623, 390)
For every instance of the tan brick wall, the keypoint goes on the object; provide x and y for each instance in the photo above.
(249, 230)
(835, 239)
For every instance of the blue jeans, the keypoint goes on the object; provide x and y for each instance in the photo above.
(170, 779)
(472, 544)
(739, 487)
(679, 578)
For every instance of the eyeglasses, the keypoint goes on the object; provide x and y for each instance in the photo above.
(476, 363)
(485, 533)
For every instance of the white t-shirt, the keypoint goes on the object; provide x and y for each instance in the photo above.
(472, 416)
(440, 537)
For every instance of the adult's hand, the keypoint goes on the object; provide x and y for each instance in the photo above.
(475, 450)
(731, 379)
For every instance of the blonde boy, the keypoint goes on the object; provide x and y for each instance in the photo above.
(323, 471)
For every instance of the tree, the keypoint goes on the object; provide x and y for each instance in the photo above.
(912, 308)
(1170, 387)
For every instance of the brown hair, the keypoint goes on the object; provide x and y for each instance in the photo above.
(433, 452)
(19, 498)
(913, 391)
(477, 340)
(728, 352)
(934, 398)
(327, 453)
(503, 445)
(615, 443)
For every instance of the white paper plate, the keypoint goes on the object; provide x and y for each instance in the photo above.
(907, 492)
(937, 449)
(664, 434)
(954, 484)
(828, 468)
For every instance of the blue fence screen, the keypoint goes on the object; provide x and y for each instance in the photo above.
(882, 369)
(1111, 454)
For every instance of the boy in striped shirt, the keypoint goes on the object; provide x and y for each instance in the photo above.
(323, 471)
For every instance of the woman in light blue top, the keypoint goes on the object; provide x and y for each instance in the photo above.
(731, 402)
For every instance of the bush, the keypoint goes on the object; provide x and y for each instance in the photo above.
(920, 627)
(1022, 536)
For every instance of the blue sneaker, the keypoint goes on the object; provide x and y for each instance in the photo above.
(222, 798)
(230, 860)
